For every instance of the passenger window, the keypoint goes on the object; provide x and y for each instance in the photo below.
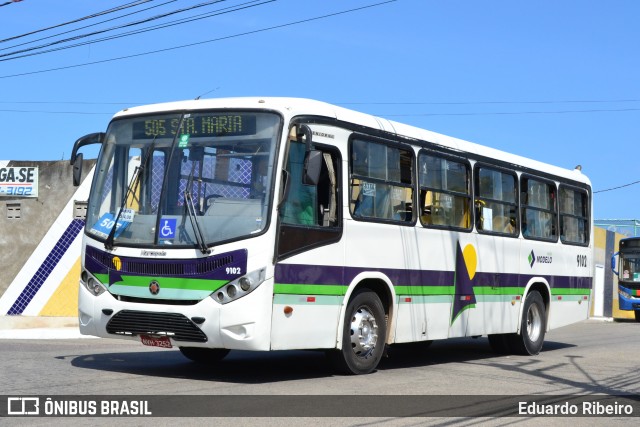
(574, 216)
(445, 192)
(381, 182)
(539, 210)
(496, 202)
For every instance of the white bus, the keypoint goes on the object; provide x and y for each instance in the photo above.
(278, 223)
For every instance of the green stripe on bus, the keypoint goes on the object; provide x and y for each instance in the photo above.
(290, 289)
(425, 299)
(566, 298)
(165, 293)
(569, 291)
(506, 290)
(299, 299)
(103, 278)
(440, 299)
(166, 282)
(424, 290)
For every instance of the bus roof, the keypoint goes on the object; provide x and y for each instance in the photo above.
(291, 107)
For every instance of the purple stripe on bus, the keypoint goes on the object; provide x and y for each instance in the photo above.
(334, 275)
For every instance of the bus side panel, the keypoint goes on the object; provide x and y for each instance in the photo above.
(567, 270)
(566, 310)
(422, 317)
(392, 250)
(571, 292)
(310, 286)
(424, 308)
(496, 286)
(311, 323)
(245, 323)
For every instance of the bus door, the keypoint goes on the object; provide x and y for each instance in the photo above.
(309, 272)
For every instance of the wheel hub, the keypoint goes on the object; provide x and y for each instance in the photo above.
(364, 333)
(534, 323)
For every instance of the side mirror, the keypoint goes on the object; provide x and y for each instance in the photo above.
(77, 169)
(312, 158)
(312, 167)
(76, 158)
(613, 264)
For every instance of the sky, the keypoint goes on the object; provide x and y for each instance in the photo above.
(555, 81)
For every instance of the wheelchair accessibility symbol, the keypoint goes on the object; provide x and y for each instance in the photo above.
(167, 228)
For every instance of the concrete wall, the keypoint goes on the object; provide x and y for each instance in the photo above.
(50, 214)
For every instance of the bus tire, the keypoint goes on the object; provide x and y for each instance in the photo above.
(204, 355)
(363, 337)
(637, 313)
(532, 327)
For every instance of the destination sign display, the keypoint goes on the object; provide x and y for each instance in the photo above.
(196, 126)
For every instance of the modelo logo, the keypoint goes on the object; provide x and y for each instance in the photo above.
(542, 259)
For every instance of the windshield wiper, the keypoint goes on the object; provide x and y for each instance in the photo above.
(190, 209)
(131, 188)
(195, 224)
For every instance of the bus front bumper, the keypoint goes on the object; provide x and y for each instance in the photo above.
(243, 324)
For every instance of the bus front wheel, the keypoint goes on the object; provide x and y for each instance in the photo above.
(204, 355)
(532, 326)
(637, 313)
(363, 336)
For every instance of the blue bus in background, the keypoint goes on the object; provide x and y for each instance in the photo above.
(628, 274)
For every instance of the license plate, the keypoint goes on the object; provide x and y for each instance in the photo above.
(163, 342)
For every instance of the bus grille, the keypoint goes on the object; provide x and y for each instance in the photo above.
(168, 267)
(173, 325)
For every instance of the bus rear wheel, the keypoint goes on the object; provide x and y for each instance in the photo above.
(532, 327)
(204, 355)
(637, 313)
(363, 337)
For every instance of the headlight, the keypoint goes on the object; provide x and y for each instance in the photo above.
(239, 287)
(92, 284)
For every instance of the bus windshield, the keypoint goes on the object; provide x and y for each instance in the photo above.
(184, 180)
(630, 267)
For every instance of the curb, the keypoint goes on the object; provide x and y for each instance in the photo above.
(39, 327)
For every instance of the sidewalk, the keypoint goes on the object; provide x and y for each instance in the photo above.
(32, 327)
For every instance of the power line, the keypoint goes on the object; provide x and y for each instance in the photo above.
(90, 25)
(514, 113)
(491, 102)
(9, 2)
(105, 12)
(618, 187)
(72, 102)
(379, 115)
(360, 103)
(302, 21)
(15, 54)
(56, 112)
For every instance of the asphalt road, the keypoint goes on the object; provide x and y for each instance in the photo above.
(585, 359)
